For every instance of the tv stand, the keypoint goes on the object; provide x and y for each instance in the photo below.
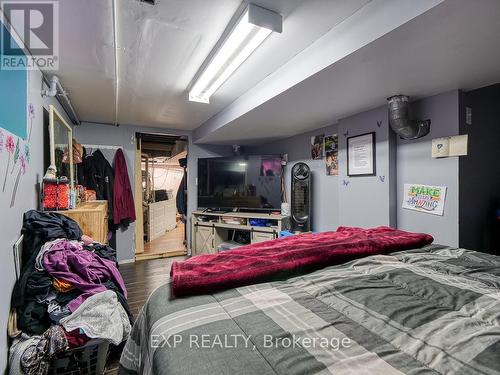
(209, 229)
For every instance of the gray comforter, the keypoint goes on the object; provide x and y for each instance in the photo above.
(432, 310)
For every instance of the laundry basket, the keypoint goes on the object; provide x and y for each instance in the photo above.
(89, 359)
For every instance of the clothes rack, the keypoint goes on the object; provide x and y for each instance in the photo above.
(102, 147)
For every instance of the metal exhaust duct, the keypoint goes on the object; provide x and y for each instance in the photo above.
(399, 119)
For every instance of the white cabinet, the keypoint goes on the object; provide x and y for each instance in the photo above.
(204, 240)
(162, 218)
(257, 237)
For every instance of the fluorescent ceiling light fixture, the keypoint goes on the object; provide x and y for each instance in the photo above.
(249, 31)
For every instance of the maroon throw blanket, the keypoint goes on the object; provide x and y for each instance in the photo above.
(283, 257)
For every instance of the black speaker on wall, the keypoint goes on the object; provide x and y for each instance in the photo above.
(301, 198)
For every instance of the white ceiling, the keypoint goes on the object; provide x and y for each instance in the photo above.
(86, 64)
(161, 48)
(454, 45)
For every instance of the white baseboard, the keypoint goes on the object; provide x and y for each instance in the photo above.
(125, 261)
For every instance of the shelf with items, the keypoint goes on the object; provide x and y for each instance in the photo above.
(210, 229)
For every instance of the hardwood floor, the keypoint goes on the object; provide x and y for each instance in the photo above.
(170, 244)
(141, 279)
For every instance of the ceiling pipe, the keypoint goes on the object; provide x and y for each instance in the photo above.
(115, 44)
(55, 88)
(52, 91)
(400, 122)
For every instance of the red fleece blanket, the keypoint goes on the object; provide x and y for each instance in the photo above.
(287, 256)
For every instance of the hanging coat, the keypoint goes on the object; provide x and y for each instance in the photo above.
(124, 206)
(99, 177)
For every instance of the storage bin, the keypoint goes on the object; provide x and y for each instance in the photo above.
(89, 359)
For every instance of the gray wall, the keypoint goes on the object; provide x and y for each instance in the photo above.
(415, 165)
(26, 199)
(365, 201)
(369, 201)
(124, 136)
(325, 188)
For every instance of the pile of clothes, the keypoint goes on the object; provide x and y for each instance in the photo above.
(69, 291)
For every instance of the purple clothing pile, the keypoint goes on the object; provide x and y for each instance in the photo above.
(86, 271)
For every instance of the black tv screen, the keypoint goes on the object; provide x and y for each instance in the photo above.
(246, 183)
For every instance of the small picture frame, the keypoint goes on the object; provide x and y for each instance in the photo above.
(361, 160)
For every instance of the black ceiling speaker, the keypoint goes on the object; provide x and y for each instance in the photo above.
(399, 119)
(301, 198)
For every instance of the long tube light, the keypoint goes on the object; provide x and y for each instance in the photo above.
(250, 30)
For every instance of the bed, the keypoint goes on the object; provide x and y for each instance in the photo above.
(430, 310)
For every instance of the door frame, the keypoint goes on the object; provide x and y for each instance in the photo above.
(139, 223)
(139, 214)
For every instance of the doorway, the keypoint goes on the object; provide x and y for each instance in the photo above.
(161, 195)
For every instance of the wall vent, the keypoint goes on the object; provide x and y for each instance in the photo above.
(150, 2)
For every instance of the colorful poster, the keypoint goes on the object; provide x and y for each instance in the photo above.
(424, 198)
(332, 155)
(317, 146)
(13, 98)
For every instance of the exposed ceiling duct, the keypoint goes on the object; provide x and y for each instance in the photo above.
(399, 119)
(116, 71)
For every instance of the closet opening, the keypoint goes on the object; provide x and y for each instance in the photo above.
(160, 195)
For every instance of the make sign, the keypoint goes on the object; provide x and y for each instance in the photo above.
(424, 198)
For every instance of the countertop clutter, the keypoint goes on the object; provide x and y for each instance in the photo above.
(69, 292)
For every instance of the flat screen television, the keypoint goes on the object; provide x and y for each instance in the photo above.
(246, 183)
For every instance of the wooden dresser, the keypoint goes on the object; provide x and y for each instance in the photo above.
(92, 217)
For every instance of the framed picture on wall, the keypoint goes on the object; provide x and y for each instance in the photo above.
(361, 155)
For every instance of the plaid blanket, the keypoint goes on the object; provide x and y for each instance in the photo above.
(434, 310)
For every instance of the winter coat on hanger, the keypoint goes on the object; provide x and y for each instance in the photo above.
(124, 206)
(99, 177)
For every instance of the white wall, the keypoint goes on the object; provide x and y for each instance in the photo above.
(168, 177)
(27, 198)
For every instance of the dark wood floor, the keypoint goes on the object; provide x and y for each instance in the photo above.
(141, 278)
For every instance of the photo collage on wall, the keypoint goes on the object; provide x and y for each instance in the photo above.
(332, 155)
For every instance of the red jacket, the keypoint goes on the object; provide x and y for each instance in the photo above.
(124, 207)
